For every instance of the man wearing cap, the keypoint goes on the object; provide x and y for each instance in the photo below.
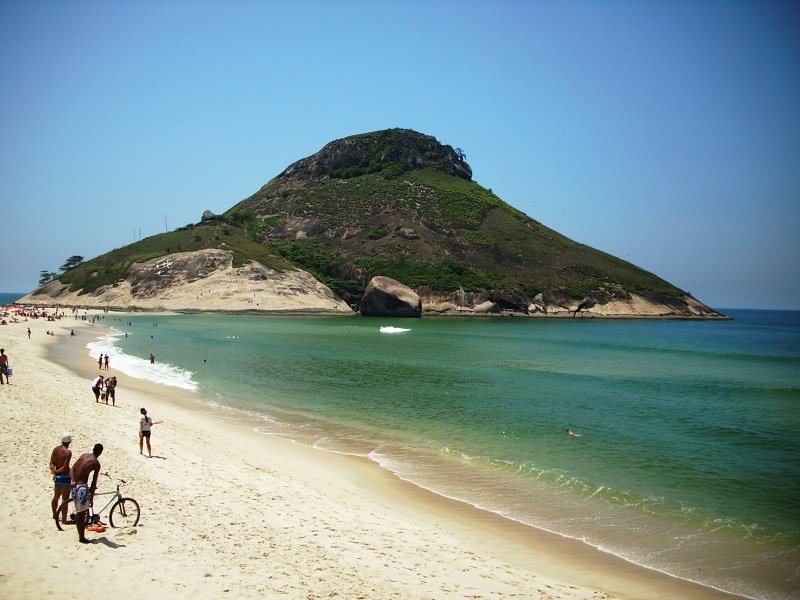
(59, 467)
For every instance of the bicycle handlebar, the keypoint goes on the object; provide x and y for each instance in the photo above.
(112, 479)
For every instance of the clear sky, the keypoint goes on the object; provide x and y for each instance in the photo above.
(665, 133)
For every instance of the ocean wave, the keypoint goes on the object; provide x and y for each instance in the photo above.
(140, 368)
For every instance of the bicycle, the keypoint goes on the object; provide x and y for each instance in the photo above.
(124, 511)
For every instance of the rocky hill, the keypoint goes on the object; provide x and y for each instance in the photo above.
(393, 203)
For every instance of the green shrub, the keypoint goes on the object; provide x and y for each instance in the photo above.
(378, 233)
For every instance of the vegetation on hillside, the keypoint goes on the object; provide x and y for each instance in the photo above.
(392, 203)
(114, 266)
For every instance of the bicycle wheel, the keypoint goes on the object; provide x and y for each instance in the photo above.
(124, 513)
(70, 506)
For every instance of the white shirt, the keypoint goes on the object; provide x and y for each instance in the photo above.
(144, 423)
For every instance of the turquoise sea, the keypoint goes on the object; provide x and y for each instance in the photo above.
(688, 459)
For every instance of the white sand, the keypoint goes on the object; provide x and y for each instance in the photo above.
(227, 512)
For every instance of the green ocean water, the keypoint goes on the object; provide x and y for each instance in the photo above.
(688, 459)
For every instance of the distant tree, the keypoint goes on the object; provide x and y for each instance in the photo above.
(460, 154)
(72, 262)
(46, 277)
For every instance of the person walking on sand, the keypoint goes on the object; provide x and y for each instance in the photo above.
(29, 333)
(145, 424)
(4, 366)
(83, 494)
(97, 385)
(59, 467)
(100, 361)
(106, 362)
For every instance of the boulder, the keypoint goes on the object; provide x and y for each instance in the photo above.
(486, 308)
(385, 297)
(408, 233)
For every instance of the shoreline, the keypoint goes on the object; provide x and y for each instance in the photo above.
(319, 312)
(326, 522)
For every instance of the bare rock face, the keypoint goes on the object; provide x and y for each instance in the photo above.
(553, 302)
(204, 281)
(386, 297)
(509, 301)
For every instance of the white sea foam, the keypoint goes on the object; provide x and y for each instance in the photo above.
(140, 368)
(390, 329)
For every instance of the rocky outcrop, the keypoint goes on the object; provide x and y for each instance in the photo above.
(556, 303)
(553, 301)
(202, 281)
(644, 305)
(385, 297)
(370, 152)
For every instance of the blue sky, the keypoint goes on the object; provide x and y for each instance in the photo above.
(665, 133)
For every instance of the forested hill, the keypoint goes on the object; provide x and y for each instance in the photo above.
(399, 203)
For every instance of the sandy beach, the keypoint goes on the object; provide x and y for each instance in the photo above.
(229, 512)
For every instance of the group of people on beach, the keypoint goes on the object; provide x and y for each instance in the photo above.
(74, 482)
(110, 386)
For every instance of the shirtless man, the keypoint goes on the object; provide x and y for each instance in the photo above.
(3, 365)
(59, 467)
(83, 493)
(111, 390)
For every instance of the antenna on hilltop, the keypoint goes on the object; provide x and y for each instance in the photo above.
(166, 229)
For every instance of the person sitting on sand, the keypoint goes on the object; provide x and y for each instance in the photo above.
(83, 494)
(59, 467)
